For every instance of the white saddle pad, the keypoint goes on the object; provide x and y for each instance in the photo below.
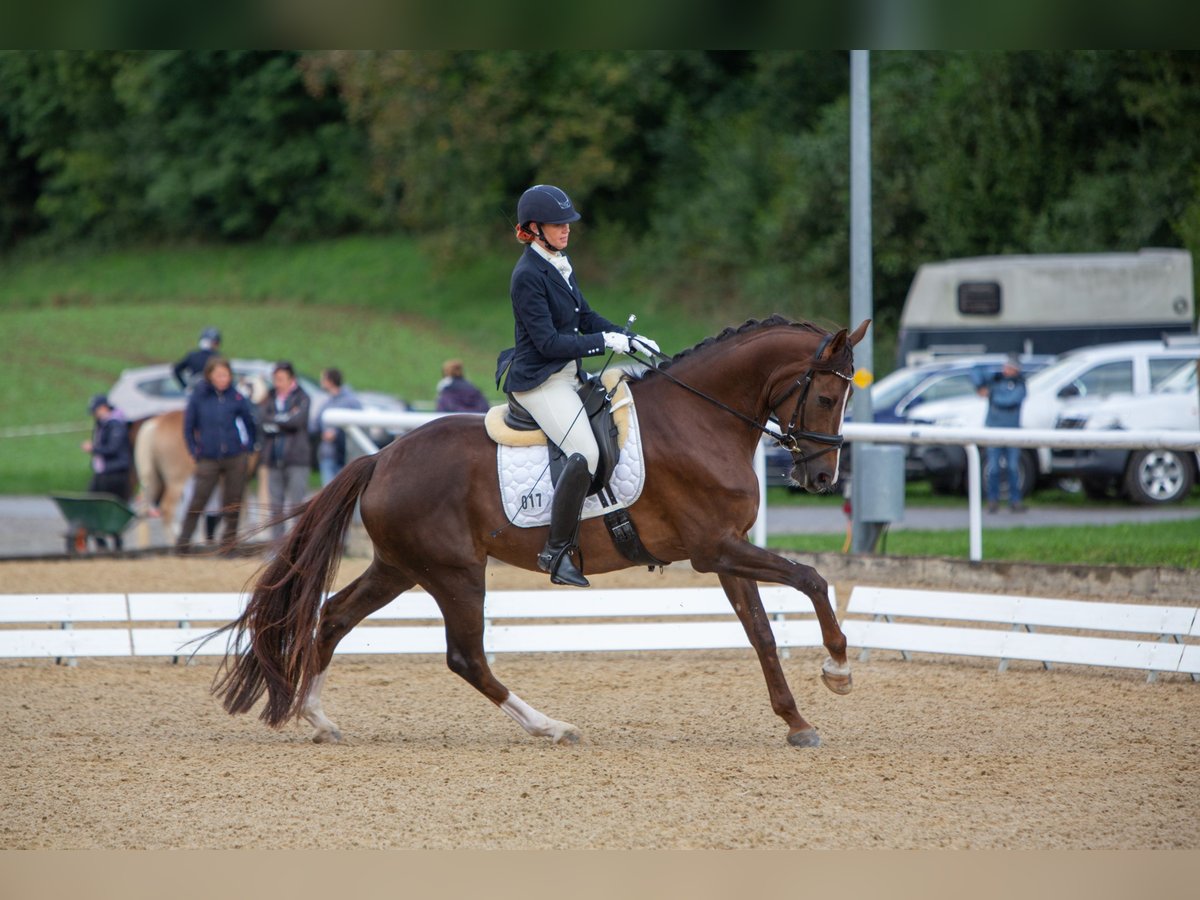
(526, 491)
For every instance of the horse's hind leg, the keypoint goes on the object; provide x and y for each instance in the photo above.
(461, 602)
(372, 590)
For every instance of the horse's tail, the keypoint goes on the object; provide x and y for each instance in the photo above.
(273, 644)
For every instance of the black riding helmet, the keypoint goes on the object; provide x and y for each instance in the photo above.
(546, 204)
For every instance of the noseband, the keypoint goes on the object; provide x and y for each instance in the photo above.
(794, 432)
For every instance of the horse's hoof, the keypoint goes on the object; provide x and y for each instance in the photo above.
(327, 736)
(806, 738)
(839, 684)
(568, 737)
(836, 677)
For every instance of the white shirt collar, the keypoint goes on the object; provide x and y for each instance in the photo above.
(558, 260)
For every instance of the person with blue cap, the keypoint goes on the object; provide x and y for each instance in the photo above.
(112, 455)
(554, 328)
(189, 369)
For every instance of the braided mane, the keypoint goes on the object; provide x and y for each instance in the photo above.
(750, 325)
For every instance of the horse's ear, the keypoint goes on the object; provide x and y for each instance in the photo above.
(859, 333)
(836, 345)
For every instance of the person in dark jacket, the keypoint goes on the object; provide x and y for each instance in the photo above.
(112, 455)
(287, 454)
(191, 368)
(554, 328)
(455, 393)
(219, 428)
(1005, 392)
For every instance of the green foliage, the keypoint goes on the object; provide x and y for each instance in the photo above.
(176, 144)
(717, 177)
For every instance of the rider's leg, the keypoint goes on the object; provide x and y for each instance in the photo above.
(555, 406)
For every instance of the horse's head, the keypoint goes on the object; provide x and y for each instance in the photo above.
(812, 407)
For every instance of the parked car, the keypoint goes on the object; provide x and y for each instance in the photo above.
(1142, 476)
(151, 390)
(1134, 367)
(905, 389)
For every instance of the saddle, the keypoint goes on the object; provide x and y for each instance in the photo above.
(598, 407)
(606, 403)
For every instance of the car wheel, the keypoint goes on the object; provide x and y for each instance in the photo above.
(948, 482)
(1158, 476)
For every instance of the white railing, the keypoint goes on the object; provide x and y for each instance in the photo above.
(970, 439)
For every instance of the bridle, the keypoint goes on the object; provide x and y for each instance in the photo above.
(791, 435)
(788, 436)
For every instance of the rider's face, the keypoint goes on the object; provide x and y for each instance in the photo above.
(557, 235)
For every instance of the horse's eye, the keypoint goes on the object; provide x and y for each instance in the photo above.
(825, 402)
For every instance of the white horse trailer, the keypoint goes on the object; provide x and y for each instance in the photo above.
(1045, 303)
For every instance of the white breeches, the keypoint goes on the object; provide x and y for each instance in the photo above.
(555, 406)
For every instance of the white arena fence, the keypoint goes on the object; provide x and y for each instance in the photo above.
(1119, 635)
(971, 439)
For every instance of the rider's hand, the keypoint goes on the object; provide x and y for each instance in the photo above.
(614, 340)
(645, 342)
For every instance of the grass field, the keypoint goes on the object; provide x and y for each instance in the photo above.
(371, 306)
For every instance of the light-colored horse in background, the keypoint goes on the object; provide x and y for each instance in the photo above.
(165, 467)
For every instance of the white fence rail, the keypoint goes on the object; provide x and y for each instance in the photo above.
(971, 439)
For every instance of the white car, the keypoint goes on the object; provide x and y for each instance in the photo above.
(151, 390)
(1135, 367)
(1143, 476)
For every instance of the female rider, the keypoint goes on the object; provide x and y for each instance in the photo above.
(553, 329)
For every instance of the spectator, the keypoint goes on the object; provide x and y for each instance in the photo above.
(191, 368)
(455, 393)
(331, 449)
(112, 455)
(286, 451)
(1005, 392)
(218, 426)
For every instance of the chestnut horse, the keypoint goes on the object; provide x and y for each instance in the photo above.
(431, 506)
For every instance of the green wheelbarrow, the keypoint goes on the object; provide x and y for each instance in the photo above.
(97, 517)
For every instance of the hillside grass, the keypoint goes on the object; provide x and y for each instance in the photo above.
(373, 306)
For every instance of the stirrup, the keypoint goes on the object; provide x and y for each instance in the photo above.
(561, 567)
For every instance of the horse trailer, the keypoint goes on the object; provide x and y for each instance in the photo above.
(1045, 303)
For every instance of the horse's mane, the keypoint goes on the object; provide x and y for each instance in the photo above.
(750, 325)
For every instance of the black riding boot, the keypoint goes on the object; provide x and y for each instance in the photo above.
(569, 495)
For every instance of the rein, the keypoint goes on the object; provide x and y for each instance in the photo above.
(791, 435)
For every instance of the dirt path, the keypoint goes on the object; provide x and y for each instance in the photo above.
(680, 750)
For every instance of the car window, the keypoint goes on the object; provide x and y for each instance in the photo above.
(890, 389)
(1183, 378)
(1162, 367)
(960, 385)
(1107, 378)
(165, 386)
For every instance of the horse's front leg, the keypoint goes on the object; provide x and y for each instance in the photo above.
(741, 559)
(743, 595)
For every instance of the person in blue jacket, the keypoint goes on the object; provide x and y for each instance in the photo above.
(554, 328)
(112, 455)
(220, 431)
(1005, 392)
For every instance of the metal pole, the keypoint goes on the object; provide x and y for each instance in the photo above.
(861, 301)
